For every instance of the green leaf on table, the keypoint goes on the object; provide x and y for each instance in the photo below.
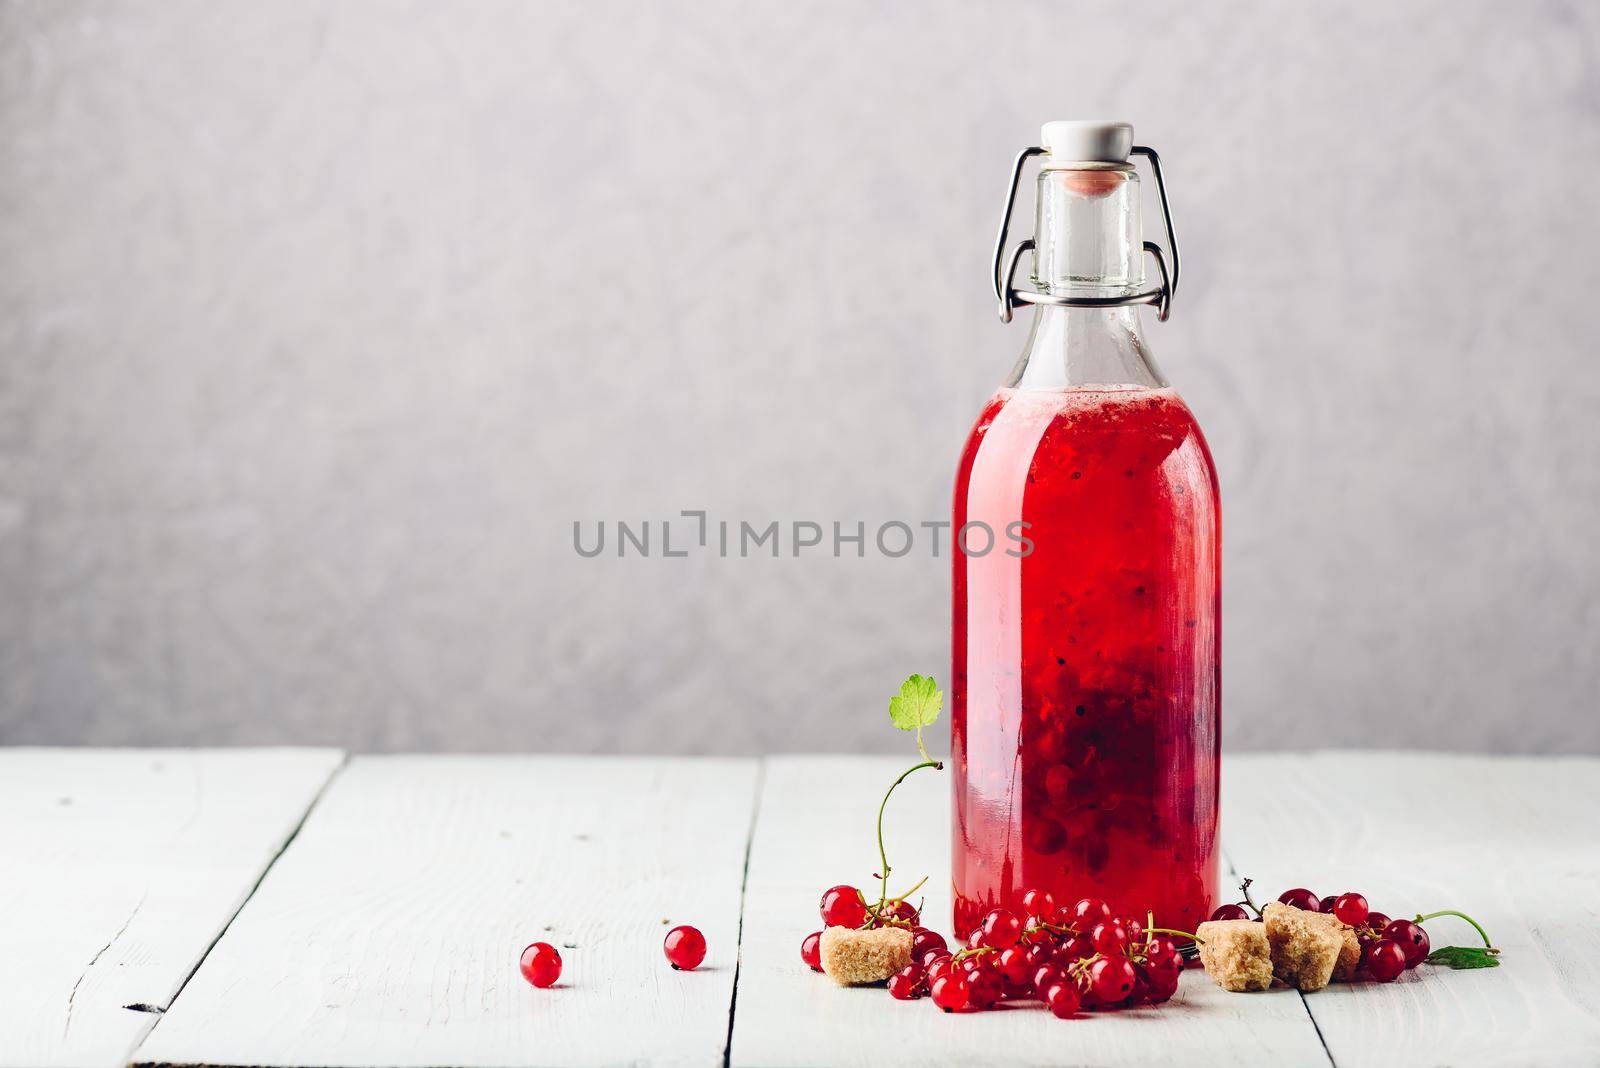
(917, 704)
(1464, 957)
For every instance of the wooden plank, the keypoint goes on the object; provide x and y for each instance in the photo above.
(1513, 841)
(118, 869)
(816, 829)
(389, 932)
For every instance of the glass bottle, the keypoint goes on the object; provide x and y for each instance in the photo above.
(1085, 682)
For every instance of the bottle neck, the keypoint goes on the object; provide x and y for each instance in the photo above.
(1088, 242)
(1088, 237)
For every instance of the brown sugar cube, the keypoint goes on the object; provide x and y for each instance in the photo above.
(1349, 951)
(1305, 948)
(852, 957)
(1236, 954)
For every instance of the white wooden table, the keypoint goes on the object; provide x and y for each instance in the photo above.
(297, 908)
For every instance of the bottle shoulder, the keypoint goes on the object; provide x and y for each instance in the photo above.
(1031, 433)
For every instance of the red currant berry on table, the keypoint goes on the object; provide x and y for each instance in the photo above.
(931, 956)
(950, 992)
(1001, 929)
(1075, 948)
(1161, 949)
(903, 911)
(1325, 904)
(1039, 955)
(1039, 903)
(1111, 979)
(685, 948)
(1110, 938)
(1062, 999)
(1385, 960)
(1411, 939)
(1090, 911)
(1376, 922)
(1013, 964)
(1301, 898)
(811, 951)
(1135, 928)
(1141, 986)
(842, 907)
(907, 983)
(1230, 912)
(1044, 975)
(984, 988)
(940, 968)
(541, 964)
(1166, 968)
(1163, 984)
(1351, 909)
(923, 940)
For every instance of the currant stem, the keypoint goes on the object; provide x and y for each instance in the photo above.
(1452, 912)
(915, 887)
(1244, 888)
(883, 894)
(1190, 935)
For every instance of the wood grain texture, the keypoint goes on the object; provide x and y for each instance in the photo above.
(815, 830)
(389, 933)
(118, 869)
(1515, 842)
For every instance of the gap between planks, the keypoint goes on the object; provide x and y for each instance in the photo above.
(1235, 879)
(744, 887)
(344, 762)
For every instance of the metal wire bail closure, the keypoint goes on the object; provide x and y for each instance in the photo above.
(1005, 268)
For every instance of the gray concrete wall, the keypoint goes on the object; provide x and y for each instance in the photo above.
(321, 323)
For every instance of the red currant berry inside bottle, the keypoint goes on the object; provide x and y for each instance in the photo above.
(541, 964)
(685, 948)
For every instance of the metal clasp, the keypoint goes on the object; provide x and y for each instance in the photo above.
(1005, 268)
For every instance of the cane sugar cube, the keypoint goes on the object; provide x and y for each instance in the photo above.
(851, 957)
(1305, 946)
(1236, 954)
(1349, 950)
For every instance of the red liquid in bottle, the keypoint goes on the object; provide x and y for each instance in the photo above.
(1085, 713)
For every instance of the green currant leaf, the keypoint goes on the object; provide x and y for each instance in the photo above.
(917, 704)
(1464, 957)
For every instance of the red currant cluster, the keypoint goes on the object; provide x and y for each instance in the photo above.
(685, 948)
(1388, 947)
(1081, 957)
